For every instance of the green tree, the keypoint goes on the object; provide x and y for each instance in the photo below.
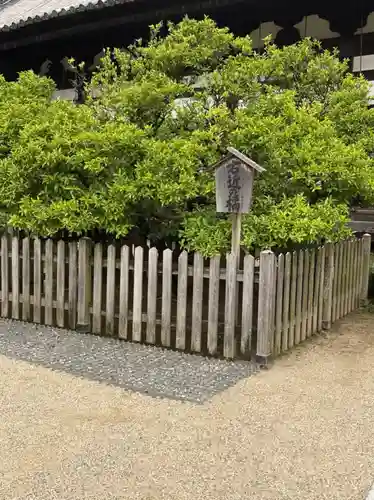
(139, 153)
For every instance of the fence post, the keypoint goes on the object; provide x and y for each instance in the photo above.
(229, 347)
(365, 269)
(84, 283)
(266, 303)
(329, 266)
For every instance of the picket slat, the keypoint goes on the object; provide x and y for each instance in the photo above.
(350, 282)
(299, 288)
(26, 279)
(346, 288)
(286, 301)
(343, 275)
(350, 276)
(321, 290)
(15, 277)
(110, 290)
(279, 305)
(273, 301)
(339, 281)
(138, 296)
(124, 293)
(197, 302)
(180, 341)
(37, 294)
(292, 330)
(73, 284)
(230, 312)
(4, 276)
(167, 274)
(312, 265)
(97, 288)
(48, 283)
(317, 289)
(265, 319)
(359, 272)
(329, 294)
(60, 290)
(362, 270)
(355, 273)
(247, 305)
(344, 278)
(152, 296)
(366, 241)
(304, 313)
(335, 284)
(214, 275)
(84, 285)
(335, 303)
(360, 251)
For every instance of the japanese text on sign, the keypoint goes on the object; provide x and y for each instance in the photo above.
(233, 186)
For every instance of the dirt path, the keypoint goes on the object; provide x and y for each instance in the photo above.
(303, 430)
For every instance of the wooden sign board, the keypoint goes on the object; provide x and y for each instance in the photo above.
(234, 182)
(233, 187)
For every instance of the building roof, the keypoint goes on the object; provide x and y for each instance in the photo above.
(18, 13)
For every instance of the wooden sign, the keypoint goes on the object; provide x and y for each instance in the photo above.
(234, 182)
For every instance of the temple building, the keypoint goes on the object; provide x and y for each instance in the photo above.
(42, 34)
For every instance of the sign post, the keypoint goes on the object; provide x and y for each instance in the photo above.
(234, 184)
(236, 229)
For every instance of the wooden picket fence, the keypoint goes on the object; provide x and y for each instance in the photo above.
(218, 307)
(305, 292)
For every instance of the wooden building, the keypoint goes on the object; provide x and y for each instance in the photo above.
(39, 34)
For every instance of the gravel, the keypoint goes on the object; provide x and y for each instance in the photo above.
(140, 368)
(302, 430)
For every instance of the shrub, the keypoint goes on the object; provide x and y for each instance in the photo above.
(139, 152)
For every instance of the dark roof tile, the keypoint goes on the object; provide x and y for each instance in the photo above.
(17, 13)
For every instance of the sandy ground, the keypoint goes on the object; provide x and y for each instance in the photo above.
(302, 430)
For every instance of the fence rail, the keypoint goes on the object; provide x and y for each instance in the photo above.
(182, 301)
